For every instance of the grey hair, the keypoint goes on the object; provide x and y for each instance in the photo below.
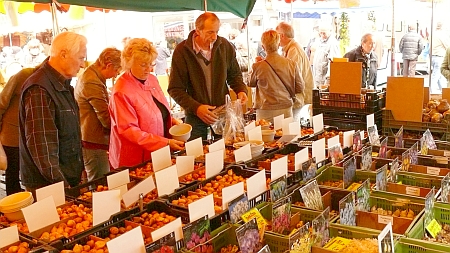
(287, 29)
(365, 37)
(68, 41)
(200, 21)
(109, 55)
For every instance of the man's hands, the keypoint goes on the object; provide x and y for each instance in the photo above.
(243, 97)
(206, 115)
(176, 145)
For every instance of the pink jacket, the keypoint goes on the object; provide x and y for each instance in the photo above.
(137, 126)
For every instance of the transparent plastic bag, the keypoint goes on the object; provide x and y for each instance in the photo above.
(231, 121)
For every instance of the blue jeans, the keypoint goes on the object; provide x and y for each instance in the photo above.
(96, 163)
(199, 128)
(438, 81)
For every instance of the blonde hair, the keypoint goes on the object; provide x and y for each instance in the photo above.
(138, 48)
(68, 41)
(271, 40)
(109, 55)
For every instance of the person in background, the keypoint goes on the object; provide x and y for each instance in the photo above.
(364, 54)
(161, 60)
(9, 127)
(34, 55)
(327, 49)
(445, 67)
(311, 47)
(411, 46)
(272, 78)
(441, 42)
(92, 97)
(293, 51)
(140, 114)
(203, 66)
(49, 121)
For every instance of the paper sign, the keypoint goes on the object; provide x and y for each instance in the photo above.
(144, 187)
(231, 192)
(300, 157)
(278, 122)
(248, 128)
(256, 184)
(294, 128)
(279, 168)
(318, 150)
(414, 191)
(9, 236)
(243, 154)
(386, 239)
(161, 158)
(218, 145)
(33, 214)
(384, 219)
(213, 163)
(119, 179)
(194, 148)
(348, 138)
(56, 190)
(185, 165)
(433, 171)
(130, 242)
(173, 226)
(285, 125)
(201, 207)
(318, 123)
(434, 228)
(255, 134)
(333, 141)
(337, 244)
(167, 180)
(370, 120)
(105, 204)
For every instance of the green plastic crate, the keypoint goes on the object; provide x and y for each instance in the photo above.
(334, 173)
(407, 245)
(280, 243)
(419, 179)
(417, 231)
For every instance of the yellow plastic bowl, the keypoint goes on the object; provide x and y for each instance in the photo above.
(15, 201)
(181, 132)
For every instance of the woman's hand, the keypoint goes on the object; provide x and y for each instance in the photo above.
(175, 145)
(176, 121)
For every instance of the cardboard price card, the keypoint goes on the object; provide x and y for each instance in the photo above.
(281, 216)
(363, 196)
(433, 228)
(249, 237)
(386, 240)
(366, 158)
(445, 189)
(429, 204)
(395, 166)
(309, 169)
(347, 212)
(349, 171)
(398, 141)
(311, 195)
(321, 231)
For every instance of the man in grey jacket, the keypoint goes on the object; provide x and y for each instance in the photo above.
(411, 46)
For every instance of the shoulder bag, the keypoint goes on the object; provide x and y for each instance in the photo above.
(294, 98)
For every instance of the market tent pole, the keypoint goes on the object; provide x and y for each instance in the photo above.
(55, 29)
(393, 65)
(430, 53)
(205, 4)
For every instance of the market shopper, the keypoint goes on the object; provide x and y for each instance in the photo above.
(276, 78)
(161, 60)
(445, 67)
(327, 49)
(9, 127)
(34, 54)
(364, 54)
(140, 114)
(50, 136)
(203, 66)
(411, 47)
(440, 43)
(293, 51)
(92, 97)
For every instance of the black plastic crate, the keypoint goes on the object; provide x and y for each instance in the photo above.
(361, 103)
(33, 243)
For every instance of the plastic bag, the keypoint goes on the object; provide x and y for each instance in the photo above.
(231, 121)
(3, 160)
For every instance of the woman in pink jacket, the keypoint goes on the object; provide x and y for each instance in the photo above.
(140, 115)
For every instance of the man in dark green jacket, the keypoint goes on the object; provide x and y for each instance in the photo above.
(203, 66)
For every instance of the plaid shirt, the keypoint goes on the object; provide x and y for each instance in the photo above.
(41, 130)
